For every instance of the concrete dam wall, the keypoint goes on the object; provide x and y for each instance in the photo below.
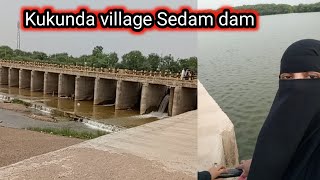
(125, 91)
(216, 135)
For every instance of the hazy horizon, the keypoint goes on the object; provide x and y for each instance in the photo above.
(217, 4)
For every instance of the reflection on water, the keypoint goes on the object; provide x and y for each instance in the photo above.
(99, 113)
(240, 69)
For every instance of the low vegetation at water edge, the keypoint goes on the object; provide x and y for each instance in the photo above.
(18, 101)
(69, 133)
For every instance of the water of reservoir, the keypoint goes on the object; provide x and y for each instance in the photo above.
(240, 69)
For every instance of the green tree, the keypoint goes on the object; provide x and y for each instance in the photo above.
(62, 57)
(168, 63)
(133, 60)
(18, 52)
(193, 64)
(190, 63)
(152, 62)
(39, 55)
(107, 60)
(97, 51)
(6, 52)
(112, 59)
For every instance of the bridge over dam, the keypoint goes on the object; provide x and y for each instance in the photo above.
(126, 89)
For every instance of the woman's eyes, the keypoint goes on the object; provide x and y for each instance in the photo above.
(307, 75)
(286, 77)
(311, 76)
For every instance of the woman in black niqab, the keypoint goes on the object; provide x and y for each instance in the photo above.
(288, 146)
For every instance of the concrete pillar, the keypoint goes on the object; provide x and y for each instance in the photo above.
(84, 89)
(13, 77)
(171, 101)
(51, 82)
(184, 99)
(66, 86)
(151, 97)
(37, 79)
(128, 95)
(4, 75)
(24, 78)
(105, 91)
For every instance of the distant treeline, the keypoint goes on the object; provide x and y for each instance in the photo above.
(269, 9)
(133, 60)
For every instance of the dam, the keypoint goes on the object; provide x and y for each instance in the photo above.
(126, 89)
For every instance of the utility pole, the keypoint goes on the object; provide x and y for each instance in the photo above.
(18, 35)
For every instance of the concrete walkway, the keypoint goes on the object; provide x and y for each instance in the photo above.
(165, 149)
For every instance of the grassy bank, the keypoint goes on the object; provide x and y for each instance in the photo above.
(70, 133)
(18, 101)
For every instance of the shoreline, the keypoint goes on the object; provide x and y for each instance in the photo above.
(20, 116)
(41, 112)
(20, 108)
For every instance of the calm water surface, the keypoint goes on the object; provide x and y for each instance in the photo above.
(240, 69)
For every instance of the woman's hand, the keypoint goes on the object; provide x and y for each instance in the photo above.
(245, 166)
(216, 171)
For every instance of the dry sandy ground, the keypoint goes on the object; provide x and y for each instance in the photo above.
(18, 144)
(87, 163)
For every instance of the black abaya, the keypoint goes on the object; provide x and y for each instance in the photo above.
(288, 146)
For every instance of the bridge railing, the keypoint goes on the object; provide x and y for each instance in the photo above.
(154, 75)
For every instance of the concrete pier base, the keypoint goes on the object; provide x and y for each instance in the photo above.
(105, 91)
(24, 78)
(37, 79)
(4, 75)
(13, 77)
(185, 99)
(151, 97)
(171, 101)
(51, 82)
(66, 85)
(84, 88)
(128, 94)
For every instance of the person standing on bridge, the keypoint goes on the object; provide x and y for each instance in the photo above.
(187, 74)
(288, 146)
(182, 75)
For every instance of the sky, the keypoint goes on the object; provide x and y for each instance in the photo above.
(179, 44)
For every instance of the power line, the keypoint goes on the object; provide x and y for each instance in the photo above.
(18, 35)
